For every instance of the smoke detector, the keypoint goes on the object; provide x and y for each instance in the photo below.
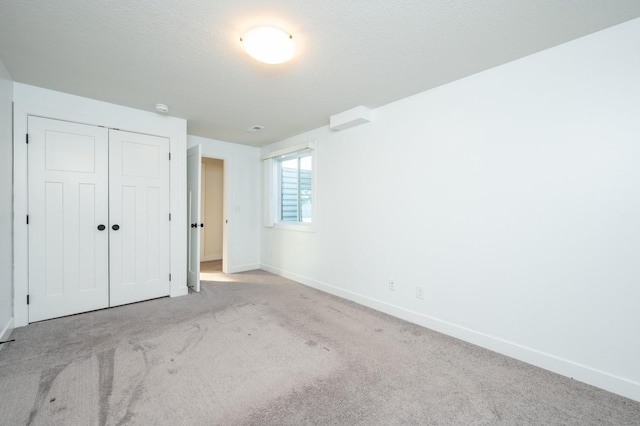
(162, 108)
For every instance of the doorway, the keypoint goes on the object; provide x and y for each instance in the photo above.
(207, 188)
(212, 214)
(211, 210)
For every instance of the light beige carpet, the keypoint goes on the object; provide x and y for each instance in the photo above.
(211, 271)
(256, 349)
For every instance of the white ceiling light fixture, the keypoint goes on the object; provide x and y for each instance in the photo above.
(270, 45)
(162, 108)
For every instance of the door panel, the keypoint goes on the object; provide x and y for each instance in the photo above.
(194, 168)
(68, 195)
(139, 217)
(87, 240)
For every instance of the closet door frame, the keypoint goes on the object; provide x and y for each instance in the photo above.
(35, 101)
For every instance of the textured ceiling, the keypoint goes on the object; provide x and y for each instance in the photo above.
(359, 52)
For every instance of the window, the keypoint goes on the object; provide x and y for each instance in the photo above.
(289, 187)
(294, 189)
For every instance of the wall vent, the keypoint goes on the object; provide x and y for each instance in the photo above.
(351, 118)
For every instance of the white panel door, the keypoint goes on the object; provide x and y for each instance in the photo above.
(194, 168)
(68, 196)
(139, 224)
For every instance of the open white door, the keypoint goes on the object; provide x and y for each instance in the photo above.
(194, 165)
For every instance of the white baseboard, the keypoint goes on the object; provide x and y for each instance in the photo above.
(6, 331)
(243, 268)
(565, 367)
(210, 258)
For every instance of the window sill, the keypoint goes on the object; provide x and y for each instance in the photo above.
(295, 226)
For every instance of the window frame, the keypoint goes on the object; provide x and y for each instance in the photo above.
(279, 166)
(273, 203)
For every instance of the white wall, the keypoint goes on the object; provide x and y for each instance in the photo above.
(30, 100)
(6, 204)
(511, 196)
(242, 200)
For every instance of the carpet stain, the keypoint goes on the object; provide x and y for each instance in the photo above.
(46, 381)
(311, 343)
(135, 397)
(105, 382)
(496, 413)
(226, 315)
(138, 389)
(196, 333)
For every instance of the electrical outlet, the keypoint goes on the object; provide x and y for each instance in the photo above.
(392, 285)
(420, 292)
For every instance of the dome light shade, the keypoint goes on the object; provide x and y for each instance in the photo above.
(268, 44)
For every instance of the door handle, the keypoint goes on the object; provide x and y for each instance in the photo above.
(194, 225)
(202, 225)
(115, 227)
(101, 227)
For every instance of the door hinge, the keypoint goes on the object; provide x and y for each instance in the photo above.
(27, 299)
(169, 216)
(27, 137)
(169, 277)
(27, 219)
(169, 156)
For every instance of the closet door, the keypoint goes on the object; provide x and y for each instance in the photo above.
(68, 215)
(139, 217)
